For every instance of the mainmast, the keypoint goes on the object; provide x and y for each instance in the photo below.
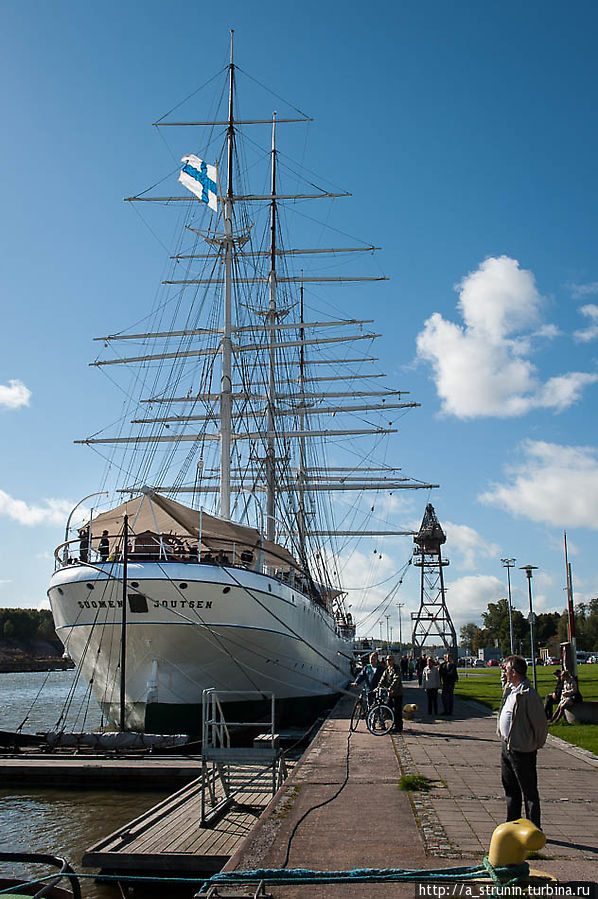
(226, 402)
(301, 475)
(272, 317)
(299, 400)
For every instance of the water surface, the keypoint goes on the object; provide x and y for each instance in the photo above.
(59, 822)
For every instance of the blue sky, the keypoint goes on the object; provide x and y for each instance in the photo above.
(466, 133)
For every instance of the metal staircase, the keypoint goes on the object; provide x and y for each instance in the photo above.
(237, 775)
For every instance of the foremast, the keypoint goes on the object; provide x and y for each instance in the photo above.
(272, 322)
(226, 385)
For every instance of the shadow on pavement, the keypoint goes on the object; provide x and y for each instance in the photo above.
(572, 845)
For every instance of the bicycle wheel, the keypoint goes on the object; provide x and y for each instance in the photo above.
(358, 714)
(380, 720)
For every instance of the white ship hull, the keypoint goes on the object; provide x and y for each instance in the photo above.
(194, 626)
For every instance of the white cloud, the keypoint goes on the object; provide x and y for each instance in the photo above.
(55, 511)
(553, 484)
(564, 390)
(499, 298)
(548, 331)
(481, 367)
(387, 505)
(469, 544)
(15, 395)
(591, 332)
(468, 597)
(584, 290)
(43, 604)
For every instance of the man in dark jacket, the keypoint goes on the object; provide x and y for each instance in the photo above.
(523, 728)
(393, 682)
(370, 673)
(448, 678)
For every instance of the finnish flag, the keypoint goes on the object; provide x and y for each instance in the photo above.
(201, 179)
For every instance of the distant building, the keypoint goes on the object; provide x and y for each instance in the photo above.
(488, 653)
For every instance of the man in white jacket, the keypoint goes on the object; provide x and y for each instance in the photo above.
(523, 728)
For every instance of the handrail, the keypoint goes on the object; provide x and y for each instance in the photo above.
(42, 859)
(63, 558)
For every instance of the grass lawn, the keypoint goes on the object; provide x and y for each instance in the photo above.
(484, 687)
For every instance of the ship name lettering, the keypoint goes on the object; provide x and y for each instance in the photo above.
(99, 604)
(183, 603)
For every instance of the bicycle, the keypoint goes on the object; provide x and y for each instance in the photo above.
(371, 706)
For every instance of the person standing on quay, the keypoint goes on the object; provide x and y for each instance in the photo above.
(523, 728)
(420, 664)
(448, 678)
(392, 680)
(431, 684)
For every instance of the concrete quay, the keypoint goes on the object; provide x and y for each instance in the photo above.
(371, 823)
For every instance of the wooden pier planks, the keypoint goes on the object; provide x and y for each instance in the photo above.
(169, 837)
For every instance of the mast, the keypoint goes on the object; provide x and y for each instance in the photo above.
(301, 473)
(277, 409)
(123, 628)
(270, 424)
(226, 402)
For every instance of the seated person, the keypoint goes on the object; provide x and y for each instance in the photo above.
(569, 696)
(554, 697)
(147, 547)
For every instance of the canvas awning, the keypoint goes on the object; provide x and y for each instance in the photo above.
(156, 513)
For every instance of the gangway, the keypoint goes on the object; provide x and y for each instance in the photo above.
(232, 773)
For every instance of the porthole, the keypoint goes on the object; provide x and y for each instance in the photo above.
(89, 586)
(269, 588)
(183, 586)
(226, 590)
(61, 591)
(134, 584)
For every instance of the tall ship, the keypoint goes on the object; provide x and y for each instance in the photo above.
(241, 470)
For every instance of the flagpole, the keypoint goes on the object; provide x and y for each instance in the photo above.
(570, 609)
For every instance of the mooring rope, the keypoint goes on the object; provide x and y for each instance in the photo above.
(506, 875)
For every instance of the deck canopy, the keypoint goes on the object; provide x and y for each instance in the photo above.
(151, 512)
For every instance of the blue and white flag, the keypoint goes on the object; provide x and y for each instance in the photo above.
(201, 179)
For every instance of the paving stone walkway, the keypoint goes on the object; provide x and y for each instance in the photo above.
(461, 755)
(360, 818)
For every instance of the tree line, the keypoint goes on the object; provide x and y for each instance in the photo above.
(27, 624)
(495, 628)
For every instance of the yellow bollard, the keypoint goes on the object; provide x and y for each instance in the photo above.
(409, 711)
(513, 841)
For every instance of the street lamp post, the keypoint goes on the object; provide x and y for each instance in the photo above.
(387, 631)
(508, 564)
(528, 570)
(399, 607)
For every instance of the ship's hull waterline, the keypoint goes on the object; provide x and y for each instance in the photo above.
(194, 626)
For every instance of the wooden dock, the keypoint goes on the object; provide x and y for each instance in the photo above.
(91, 771)
(169, 837)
